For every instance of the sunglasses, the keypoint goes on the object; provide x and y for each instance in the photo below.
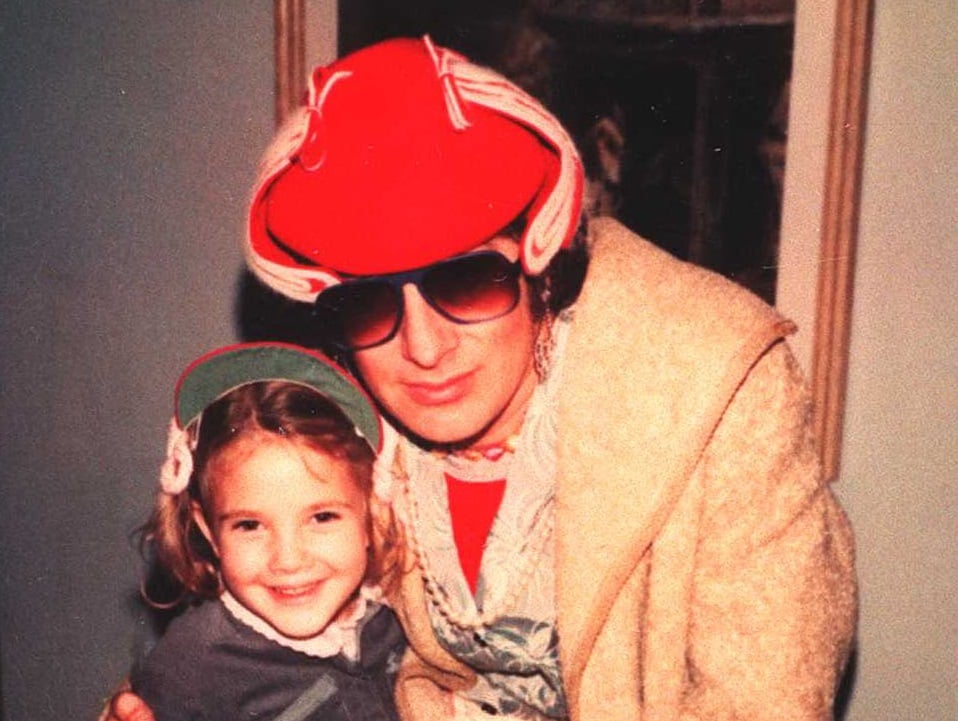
(366, 312)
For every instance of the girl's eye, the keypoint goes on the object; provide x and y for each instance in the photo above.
(325, 516)
(245, 525)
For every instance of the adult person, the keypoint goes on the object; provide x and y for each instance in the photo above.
(610, 496)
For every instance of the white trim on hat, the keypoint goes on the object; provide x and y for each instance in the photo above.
(556, 220)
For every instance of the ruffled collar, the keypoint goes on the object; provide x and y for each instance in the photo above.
(339, 637)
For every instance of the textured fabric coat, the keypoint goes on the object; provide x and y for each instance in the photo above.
(704, 569)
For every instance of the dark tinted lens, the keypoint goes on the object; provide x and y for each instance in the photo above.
(359, 315)
(473, 288)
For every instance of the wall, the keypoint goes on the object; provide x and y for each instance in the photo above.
(899, 475)
(129, 134)
(900, 470)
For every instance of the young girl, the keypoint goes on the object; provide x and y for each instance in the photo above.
(266, 515)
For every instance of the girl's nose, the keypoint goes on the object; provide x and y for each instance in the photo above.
(288, 553)
(425, 335)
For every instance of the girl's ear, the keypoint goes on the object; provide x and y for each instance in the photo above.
(196, 510)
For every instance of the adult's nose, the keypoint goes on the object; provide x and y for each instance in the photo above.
(425, 335)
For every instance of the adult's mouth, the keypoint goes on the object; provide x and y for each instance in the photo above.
(450, 390)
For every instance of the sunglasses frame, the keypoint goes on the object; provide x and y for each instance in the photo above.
(396, 283)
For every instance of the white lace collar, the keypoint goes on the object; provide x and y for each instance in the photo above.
(340, 636)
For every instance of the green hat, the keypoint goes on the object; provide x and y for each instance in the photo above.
(218, 372)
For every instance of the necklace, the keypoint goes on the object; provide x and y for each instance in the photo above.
(491, 452)
(525, 556)
(529, 559)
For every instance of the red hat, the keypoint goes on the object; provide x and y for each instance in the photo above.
(406, 154)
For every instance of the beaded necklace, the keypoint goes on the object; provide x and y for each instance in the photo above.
(470, 617)
(492, 452)
(528, 462)
(506, 627)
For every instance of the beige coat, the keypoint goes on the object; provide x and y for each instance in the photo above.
(704, 571)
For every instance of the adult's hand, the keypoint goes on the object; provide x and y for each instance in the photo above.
(126, 706)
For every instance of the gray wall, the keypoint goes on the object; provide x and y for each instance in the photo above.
(899, 474)
(899, 479)
(130, 132)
